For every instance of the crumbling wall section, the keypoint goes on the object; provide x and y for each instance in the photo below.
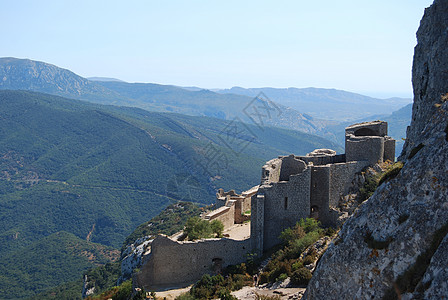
(290, 166)
(270, 172)
(172, 263)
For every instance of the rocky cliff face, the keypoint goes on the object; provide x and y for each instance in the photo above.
(396, 244)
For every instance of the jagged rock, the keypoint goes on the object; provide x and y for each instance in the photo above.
(88, 287)
(429, 75)
(397, 224)
(131, 258)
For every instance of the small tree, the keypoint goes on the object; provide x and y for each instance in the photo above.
(217, 227)
(197, 228)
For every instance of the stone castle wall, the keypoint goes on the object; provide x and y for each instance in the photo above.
(172, 263)
(225, 214)
(284, 203)
(341, 176)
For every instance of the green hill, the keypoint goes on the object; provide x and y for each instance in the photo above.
(55, 259)
(98, 172)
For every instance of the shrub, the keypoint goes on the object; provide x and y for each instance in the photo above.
(309, 224)
(185, 296)
(391, 172)
(301, 244)
(124, 291)
(290, 234)
(282, 277)
(240, 280)
(308, 260)
(297, 265)
(301, 276)
(281, 267)
(368, 188)
(217, 227)
(197, 228)
(224, 294)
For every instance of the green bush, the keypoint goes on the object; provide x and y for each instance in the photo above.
(224, 294)
(297, 265)
(197, 228)
(309, 224)
(391, 172)
(185, 296)
(209, 287)
(217, 227)
(301, 276)
(124, 291)
(282, 277)
(368, 188)
(309, 259)
(293, 233)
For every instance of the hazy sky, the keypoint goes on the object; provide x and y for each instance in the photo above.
(360, 46)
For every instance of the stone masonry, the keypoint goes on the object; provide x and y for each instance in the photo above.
(292, 187)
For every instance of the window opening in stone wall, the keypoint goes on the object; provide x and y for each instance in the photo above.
(286, 203)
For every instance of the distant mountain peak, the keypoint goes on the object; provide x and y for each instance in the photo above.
(105, 79)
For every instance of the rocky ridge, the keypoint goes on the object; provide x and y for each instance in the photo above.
(395, 244)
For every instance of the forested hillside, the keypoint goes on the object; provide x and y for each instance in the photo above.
(97, 172)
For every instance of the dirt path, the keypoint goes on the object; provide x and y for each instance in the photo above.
(172, 294)
(248, 293)
(238, 231)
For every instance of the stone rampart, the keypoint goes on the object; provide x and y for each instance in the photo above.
(173, 264)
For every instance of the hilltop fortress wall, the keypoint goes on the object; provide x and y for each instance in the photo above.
(292, 187)
(173, 263)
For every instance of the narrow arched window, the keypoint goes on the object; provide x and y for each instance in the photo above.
(286, 203)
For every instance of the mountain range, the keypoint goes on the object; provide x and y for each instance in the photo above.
(312, 110)
(326, 104)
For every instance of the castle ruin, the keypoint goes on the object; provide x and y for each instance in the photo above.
(292, 187)
(295, 187)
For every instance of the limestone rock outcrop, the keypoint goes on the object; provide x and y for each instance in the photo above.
(406, 219)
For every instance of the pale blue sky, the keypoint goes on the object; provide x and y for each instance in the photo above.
(360, 46)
